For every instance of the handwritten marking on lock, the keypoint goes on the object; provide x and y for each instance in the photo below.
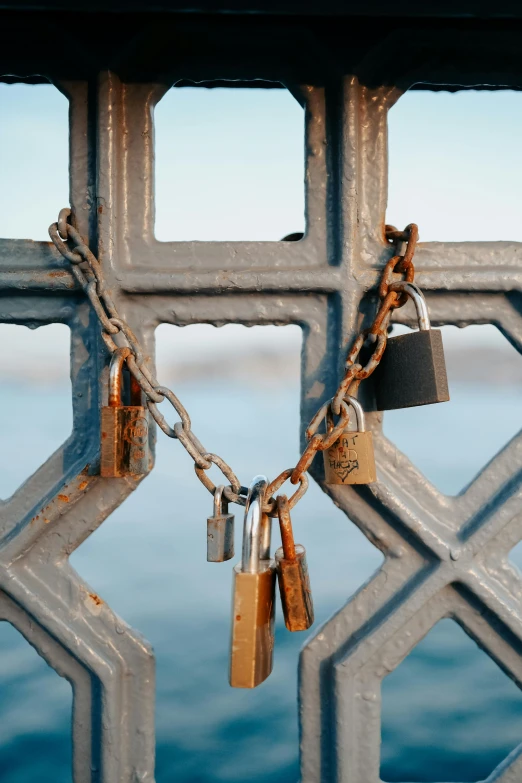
(350, 459)
(343, 458)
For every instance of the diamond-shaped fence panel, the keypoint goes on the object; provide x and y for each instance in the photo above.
(444, 556)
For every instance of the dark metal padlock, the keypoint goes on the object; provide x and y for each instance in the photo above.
(124, 428)
(292, 574)
(220, 530)
(412, 370)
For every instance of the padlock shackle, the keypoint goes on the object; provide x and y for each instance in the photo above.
(414, 292)
(116, 376)
(285, 526)
(256, 527)
(220, 501)
(359, 412)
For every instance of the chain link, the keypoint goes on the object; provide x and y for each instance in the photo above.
(88, 272)
(377, 334)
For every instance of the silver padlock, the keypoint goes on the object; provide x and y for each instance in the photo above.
(220, 530)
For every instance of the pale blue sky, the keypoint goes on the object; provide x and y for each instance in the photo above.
(229, 165)
(456, 165)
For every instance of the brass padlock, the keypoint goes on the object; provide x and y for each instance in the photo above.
(253, 605)
(124, 428)
(412, 370)
(220, 530)
(292, 574)
(350, 460)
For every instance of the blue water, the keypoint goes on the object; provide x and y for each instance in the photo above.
(448, 712)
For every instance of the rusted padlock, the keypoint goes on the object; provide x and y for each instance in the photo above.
(124, 428)
(253, 606)
(292, 574)
(220, 530)
(412, 370)
(350, 460)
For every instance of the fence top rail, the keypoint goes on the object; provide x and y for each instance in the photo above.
(456, 9)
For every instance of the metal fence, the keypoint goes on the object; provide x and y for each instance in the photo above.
(444, 557)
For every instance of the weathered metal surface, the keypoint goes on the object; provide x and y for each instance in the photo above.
(124, 442)
(292, 574)
(444, 556)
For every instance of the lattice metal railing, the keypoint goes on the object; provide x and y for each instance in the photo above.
(444, 556)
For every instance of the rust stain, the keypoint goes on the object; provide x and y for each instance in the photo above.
(46, 521)
(96, 598)
(100, 210)
(63, 498)
(59, 273)
(83, 485)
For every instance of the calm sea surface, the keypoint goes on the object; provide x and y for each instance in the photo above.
(448, 712)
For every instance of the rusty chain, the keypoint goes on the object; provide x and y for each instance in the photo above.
(87, 270)
(377, 333)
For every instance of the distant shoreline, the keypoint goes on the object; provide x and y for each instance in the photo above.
(270, 368)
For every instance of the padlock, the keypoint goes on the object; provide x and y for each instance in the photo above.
(253, 605)
(124, 428)
(412, 370)
(350, 460)
(292, 574)
(220, 530)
